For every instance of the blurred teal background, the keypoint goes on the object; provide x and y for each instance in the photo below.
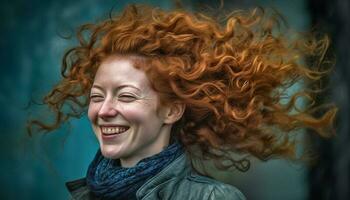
(31, 50)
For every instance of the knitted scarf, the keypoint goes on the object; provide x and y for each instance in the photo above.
(108, 180)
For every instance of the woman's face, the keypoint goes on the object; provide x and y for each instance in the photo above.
(125, 114)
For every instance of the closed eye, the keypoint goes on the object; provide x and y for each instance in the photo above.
(127, 98)
(96, 98)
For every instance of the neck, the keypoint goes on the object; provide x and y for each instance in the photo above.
(160, 143)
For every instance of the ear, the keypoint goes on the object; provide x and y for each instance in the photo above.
(173, 112)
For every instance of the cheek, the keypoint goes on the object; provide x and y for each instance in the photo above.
(140, 114)
(134, 115)
(92, 112)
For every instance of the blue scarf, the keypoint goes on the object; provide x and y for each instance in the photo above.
(107, 179)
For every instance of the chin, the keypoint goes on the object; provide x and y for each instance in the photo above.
(109, 153)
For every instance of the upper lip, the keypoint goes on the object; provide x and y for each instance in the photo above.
(112, 125)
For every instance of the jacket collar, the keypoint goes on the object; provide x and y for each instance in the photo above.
(180, 167)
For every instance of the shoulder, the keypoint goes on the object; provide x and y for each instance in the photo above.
(180, 181)
(213, 189)
(79, 190)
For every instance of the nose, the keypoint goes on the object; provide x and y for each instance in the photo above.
(107, 110)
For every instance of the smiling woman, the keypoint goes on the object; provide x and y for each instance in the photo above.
(125, 113)
(165, 87)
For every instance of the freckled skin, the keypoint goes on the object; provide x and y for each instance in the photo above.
(122, 95)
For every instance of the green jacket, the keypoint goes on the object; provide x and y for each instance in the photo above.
(177, 181)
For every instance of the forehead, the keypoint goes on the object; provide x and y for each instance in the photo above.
(117, 70)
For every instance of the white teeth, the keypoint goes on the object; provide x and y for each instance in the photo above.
(113, 130)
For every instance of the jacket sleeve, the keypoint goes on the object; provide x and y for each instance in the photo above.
(226, 192)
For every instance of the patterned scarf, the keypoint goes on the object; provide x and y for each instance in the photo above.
(107, 179)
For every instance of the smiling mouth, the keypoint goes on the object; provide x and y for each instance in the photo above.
(108, 130)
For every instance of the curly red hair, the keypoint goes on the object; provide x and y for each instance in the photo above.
(231, 74)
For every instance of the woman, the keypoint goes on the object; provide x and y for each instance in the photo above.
(166, 87)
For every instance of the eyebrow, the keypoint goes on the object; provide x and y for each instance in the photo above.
(118, 88)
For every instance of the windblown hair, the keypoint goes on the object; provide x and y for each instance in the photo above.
(232, 73)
